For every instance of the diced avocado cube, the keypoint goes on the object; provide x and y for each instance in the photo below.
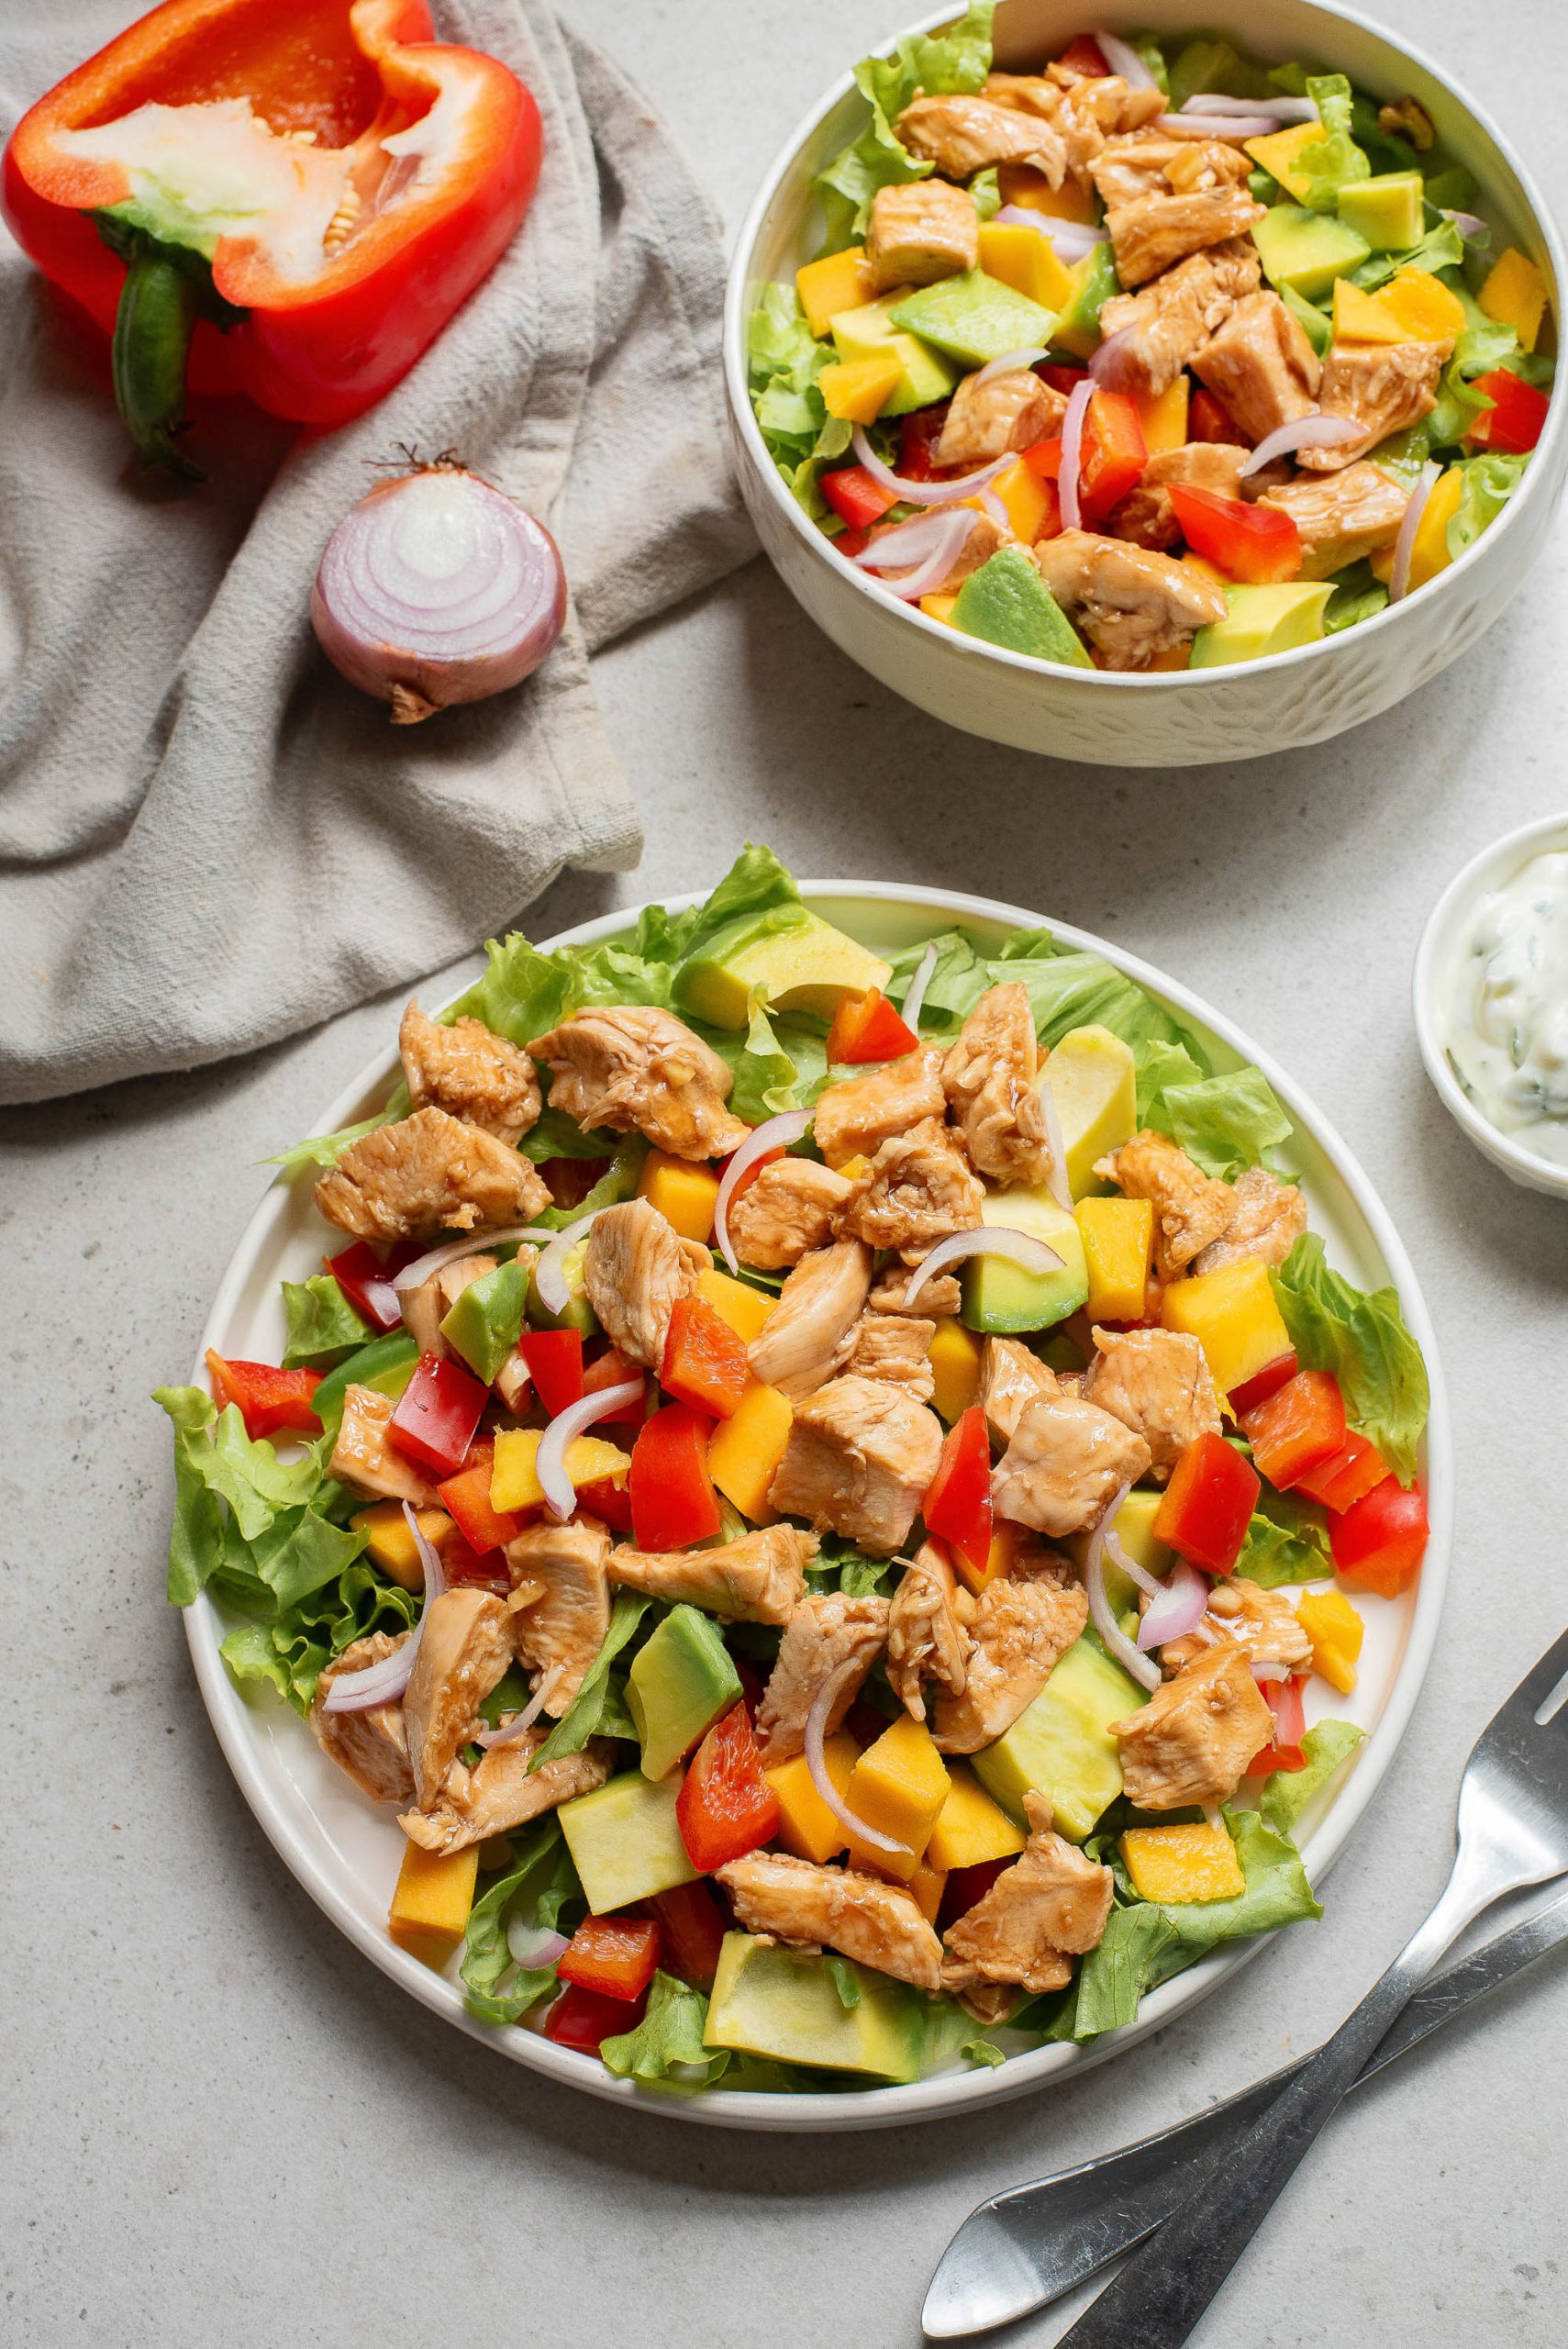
(387, 1364)
(974, 318)
(625, 1841)
(1006, 602)
(783, 2004)
(867, 332)
(1316, 324)
(1259, 620)
(484, 1321)
(1094, 281)
(1135, 1532)
(1388, 211)
(1306, 250)
(1061, 1744)
(1092, 1079)
(680, 1682)
(788, 956)
(1004, 1298)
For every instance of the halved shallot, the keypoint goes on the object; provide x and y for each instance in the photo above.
(1108, 364)
(549, 1465)
(924, 493)
(931, 544)
(773, 1134)
(1405, 544)
(384, 1683)
(984, 1240)
(816, 1763)
(1314, 431)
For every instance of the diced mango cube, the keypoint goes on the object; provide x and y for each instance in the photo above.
(744, 1308)
(1515, 295)
(514, 1475)
(1119, 1245)
(1028, 261)
(838, 281)
(430, 1904)
(1336, 1631)
(855, 389)
(927, 1885)
(744, 1450)
(1429, 548)
(1360, 317)
(854, 1169)
(1163, 416)
(971, 1827)
(955, 1367)
(1427, 309)
(684, 1194)
(936, 607)
(1006, 1539)
(1233, 1316)
(1276, 153)
(1177, 1865)
(1021, 184)
(898, 1786)
(391, 1545)
(806, 1827)
(1020, 491)
(1206, 570)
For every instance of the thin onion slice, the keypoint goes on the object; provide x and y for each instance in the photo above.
(1232, 128)
(1315, 431)
(1109, 363)
(1286, 109)
(1143, 1669)
(384, 1683)
(984, 1240)
(1150, 1584)
(1071, 238)
(773, 1134)
(1179, 1609)
(942, 539)
(550, 1463)
(1072, 451)
(1405, 544)
(923, 493)
(1056, 1181)
(914, 1001)
(816, 1763)
(997, 510)
(1266, 1669)
(550, 1273)
(491, 1738)
(472, 1243)
(1469, 224)
(1123, 59)
(1009, 363)
(535, 1947)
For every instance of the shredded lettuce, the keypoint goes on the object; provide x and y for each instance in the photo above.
(532, 1892)
(291, 1652)
(322, 1326)
(1286, 1794)
(985, 190)
(1287, 1542)
(1328, 164)
(1360, 1335)
(667, 2047)
(956, 60)
(326, 1150)
(845, 1981)
(598, 1709)
(1488, 484)
(1359, 595)
(1224, 1123)
(981, 2051)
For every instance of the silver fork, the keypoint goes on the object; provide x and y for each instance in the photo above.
(1512, 1831)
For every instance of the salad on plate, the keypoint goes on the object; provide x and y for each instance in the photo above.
(1154, 357)
(820, 1494)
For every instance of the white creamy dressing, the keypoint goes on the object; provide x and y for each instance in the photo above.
(1506, 1017)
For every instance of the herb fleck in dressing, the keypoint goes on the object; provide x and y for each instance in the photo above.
(1507, 1021)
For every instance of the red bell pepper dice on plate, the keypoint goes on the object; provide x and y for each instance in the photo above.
(866, 1027)
(612, 1369)
(1207, 1504)
(617, 1957)
(726, 1806)
(705, 1361)
(1346, 1476)
(672, 1500)
(437, 1415)
(858, 497)
(956, 1506)
(466, 1499)
(1517, 417)
(554, 1358)
(1284, 1750)
(581, 2018)
(1269, 1380)
(269, 1401)
(1254, 543)
(693, 1931)
(1300, 1426)
(1382, 1539)
(366, 1280)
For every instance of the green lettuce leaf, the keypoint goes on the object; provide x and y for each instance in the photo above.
(590, 1710)
(1160, 1067)
(1441, 247)
(1459, 403)
(1385, 149)
(326, 1150)
(838, 1565)
(1359, 595)
(845, 1981)
(381, 1360)
(985, 191)
(1287, 1542)
(291, 1653)
(322, 1326)
(981, 2051)
(1327, 164)
(786, 361)
(1068, 988)
(219, 1467)
(1207, 62)
(956, 60)
(666, 2046)
(300, 1551)
(1327, 1745)
(1224, 1123)
(541, 1871)
(1361, 1336)
(959, 978)
(1487, 483)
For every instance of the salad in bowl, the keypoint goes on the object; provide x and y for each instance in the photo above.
(826, 1499)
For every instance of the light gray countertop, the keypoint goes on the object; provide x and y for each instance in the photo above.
(219, 2122)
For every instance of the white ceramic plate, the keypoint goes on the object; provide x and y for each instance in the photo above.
(346, 1853)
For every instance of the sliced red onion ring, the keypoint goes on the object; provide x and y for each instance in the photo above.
(472, 1243)
(1056, 1181)
(1232, 128)
(1072, 452)
(1144, 1670)
(914, 1001)
(1108, 365)
(997, 510)
(944, 535)
(773, 1134)
(1266, 1669)
(1009, 363)
(1214, 1815)
(550, 1273)
(549, 1465)
(1071, 238)
(1286, 109)
(1150, 1584)
(491, 1738)
(816, 1763)
(1405, 544)
(384, 1683)
(923, 493)
(1469, 224)
(984, 1240)
(1179, 1609)
(534, 1947)
(1315, 431)
(1123, 59)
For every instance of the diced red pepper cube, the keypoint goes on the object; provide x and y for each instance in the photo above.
(610, 1503)
(1269, 1380)
(582, 2018)
(1301, 1425)
(1112, 454)
(1083, 54)
(554, 1358)
(1517, 417)
(1346, 1476)
(672, 1500)
(705, 1361)
(270, 1401)
(1254, 543)
(1209, 419)
(617, 1957)
(693, 1931)
(1382, 1540)
(858, 497)
(1284, 1751)
(466, 1499)
(366, 1280)
(726, 1806)
(917, 437)
(866, 1027)
(956, 1506)
(437, 1415)
(612, 1369)
(1208, 1506)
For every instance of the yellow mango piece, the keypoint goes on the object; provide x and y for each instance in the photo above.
(936, 607)
(1118, 1246)
(855, 389)
(684, 1194)
(1336, 1631)
(514, 1479)
(839, 282)
(955, 1368)
(971, 1827)
(854, 1169)
(1423, 305)
(744, 1308)
(744, 1450)
(1020, 491)
(1006, 1541)
(1429, 552)
(1027, 262)
(1163, 416)
(1360, 317)
(1177, 1865)
(1515, 295)
(391, 1545)
(430, 1904)
(898, 1786)
(927, 1885)
(806, 1827)
(1206, 570)
(1233, 1316)
(1382, 562)
(1278, 150)
(1021, 184)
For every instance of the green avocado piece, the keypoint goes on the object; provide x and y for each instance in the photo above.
(1306, 250)
(1092, 1079)
(869, 331)
(1061, 1744)
(771, 2001)
(680, 1682)
(1388, 211)
(788, 956)
(1316, 324)
(625, 1841)
(1004, 1299)
(1006, 602)
(1135, 1531)
(579, 1314)
(1259, 620)
(387, 1364)
(1095, 283)
(484, 1320)
(974, 318)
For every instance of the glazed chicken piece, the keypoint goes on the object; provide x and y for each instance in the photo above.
(1021, 1628)
(862, 1917)
(859, 1456)
(1011, 1379)
(1157, 1383)
(464, 1648)
(920, 232)
(560, 1608)
(818, 1305)
(638, 1070)
(1259, 365)
(926, 1640)
(1130, 604)
(1152, 233)
(826, 1634)
(371, 1746)
(1100, 108)
(1174, 316)
(855, 1116)
(938, 1297)
(962, 136)
(785, 1213)
(990, 419)
(1261, 1621)
(760, 1578)
(1190, 1208)
(1051, 1903)
(635, 1265)
(426, 1174)
(1126, 168)
(919, 1190)
(1193, 1741)
(1267, 1218)
(1341, 517)
(1382, 386)
(425, 1307)
(1146, 515)
(363, 1458)
(1065, 1459)
(990, 1079)
(894, 1347)
(469, 1071)
(501, 1794)
(1027, 92)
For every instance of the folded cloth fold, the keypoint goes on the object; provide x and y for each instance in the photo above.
(207, 839)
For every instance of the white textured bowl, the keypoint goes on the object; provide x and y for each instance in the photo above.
(1442, 941)
(1185, 717)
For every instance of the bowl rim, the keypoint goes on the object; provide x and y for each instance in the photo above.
(737, 313)
(1489, 866)
(944, 2095)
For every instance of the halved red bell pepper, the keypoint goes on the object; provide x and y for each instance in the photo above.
(1382, 1540)
(857, 496)
(366, 1280)
(1061, 377)
(1208, 1506)
(267, 1399)
(437, 1415)
(1112, 455)
(866, 1027)
(1346, 1476)
(612, 1369)
(1300, 1426)
(1284, 1751)
(672, 1500)
(554, 1358)
(582, 2018)
(1209, 419)
(956, 1506)
(466, 1499)
(387, 175)
(705, 1361)
(693, 1931)
(1517, 417)
(617, 1957)
(1255, 543)
(726, 1806)
(1269, 1380)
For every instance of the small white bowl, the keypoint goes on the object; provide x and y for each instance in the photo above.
(1187, 717)
(1445, 938)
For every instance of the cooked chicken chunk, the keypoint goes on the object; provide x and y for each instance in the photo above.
(1382, 387)
(855, 1116)
(919, 1190)
(1261, 365)
(634, 1267)
(363, 1458)
(464, 1648)
(1268, 1218)
(826, 1634)
(425, 1308)
(1129, 602)
(1065, 1459)
(992, 418)
(1341, 517)
(925, 1639)
(426, 1174)
(561, 1604)
(1011, 1379)
(860, 1457)
(371, 1746)
(1098, 109)
(1126, 168)
(1153, 232)
(469, 1071)
(1027, 92)
(819, 1305)
(894, 1347)
(920, 232)
(501, 1793)
(1146, 515)
(1193, 1741)
(1262, 1621)
(989, 1077)
(963, 136)
(1051, 1902)
(1157, 1383)
(876, 1924)
(760, 1578)
(1190, 1208)
(1408, 118)
(938, 1296)
(636, 1069)
(1174, 315)
(1020, 1630)
(787, 1212)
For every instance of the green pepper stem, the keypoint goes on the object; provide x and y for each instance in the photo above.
(159, 303)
